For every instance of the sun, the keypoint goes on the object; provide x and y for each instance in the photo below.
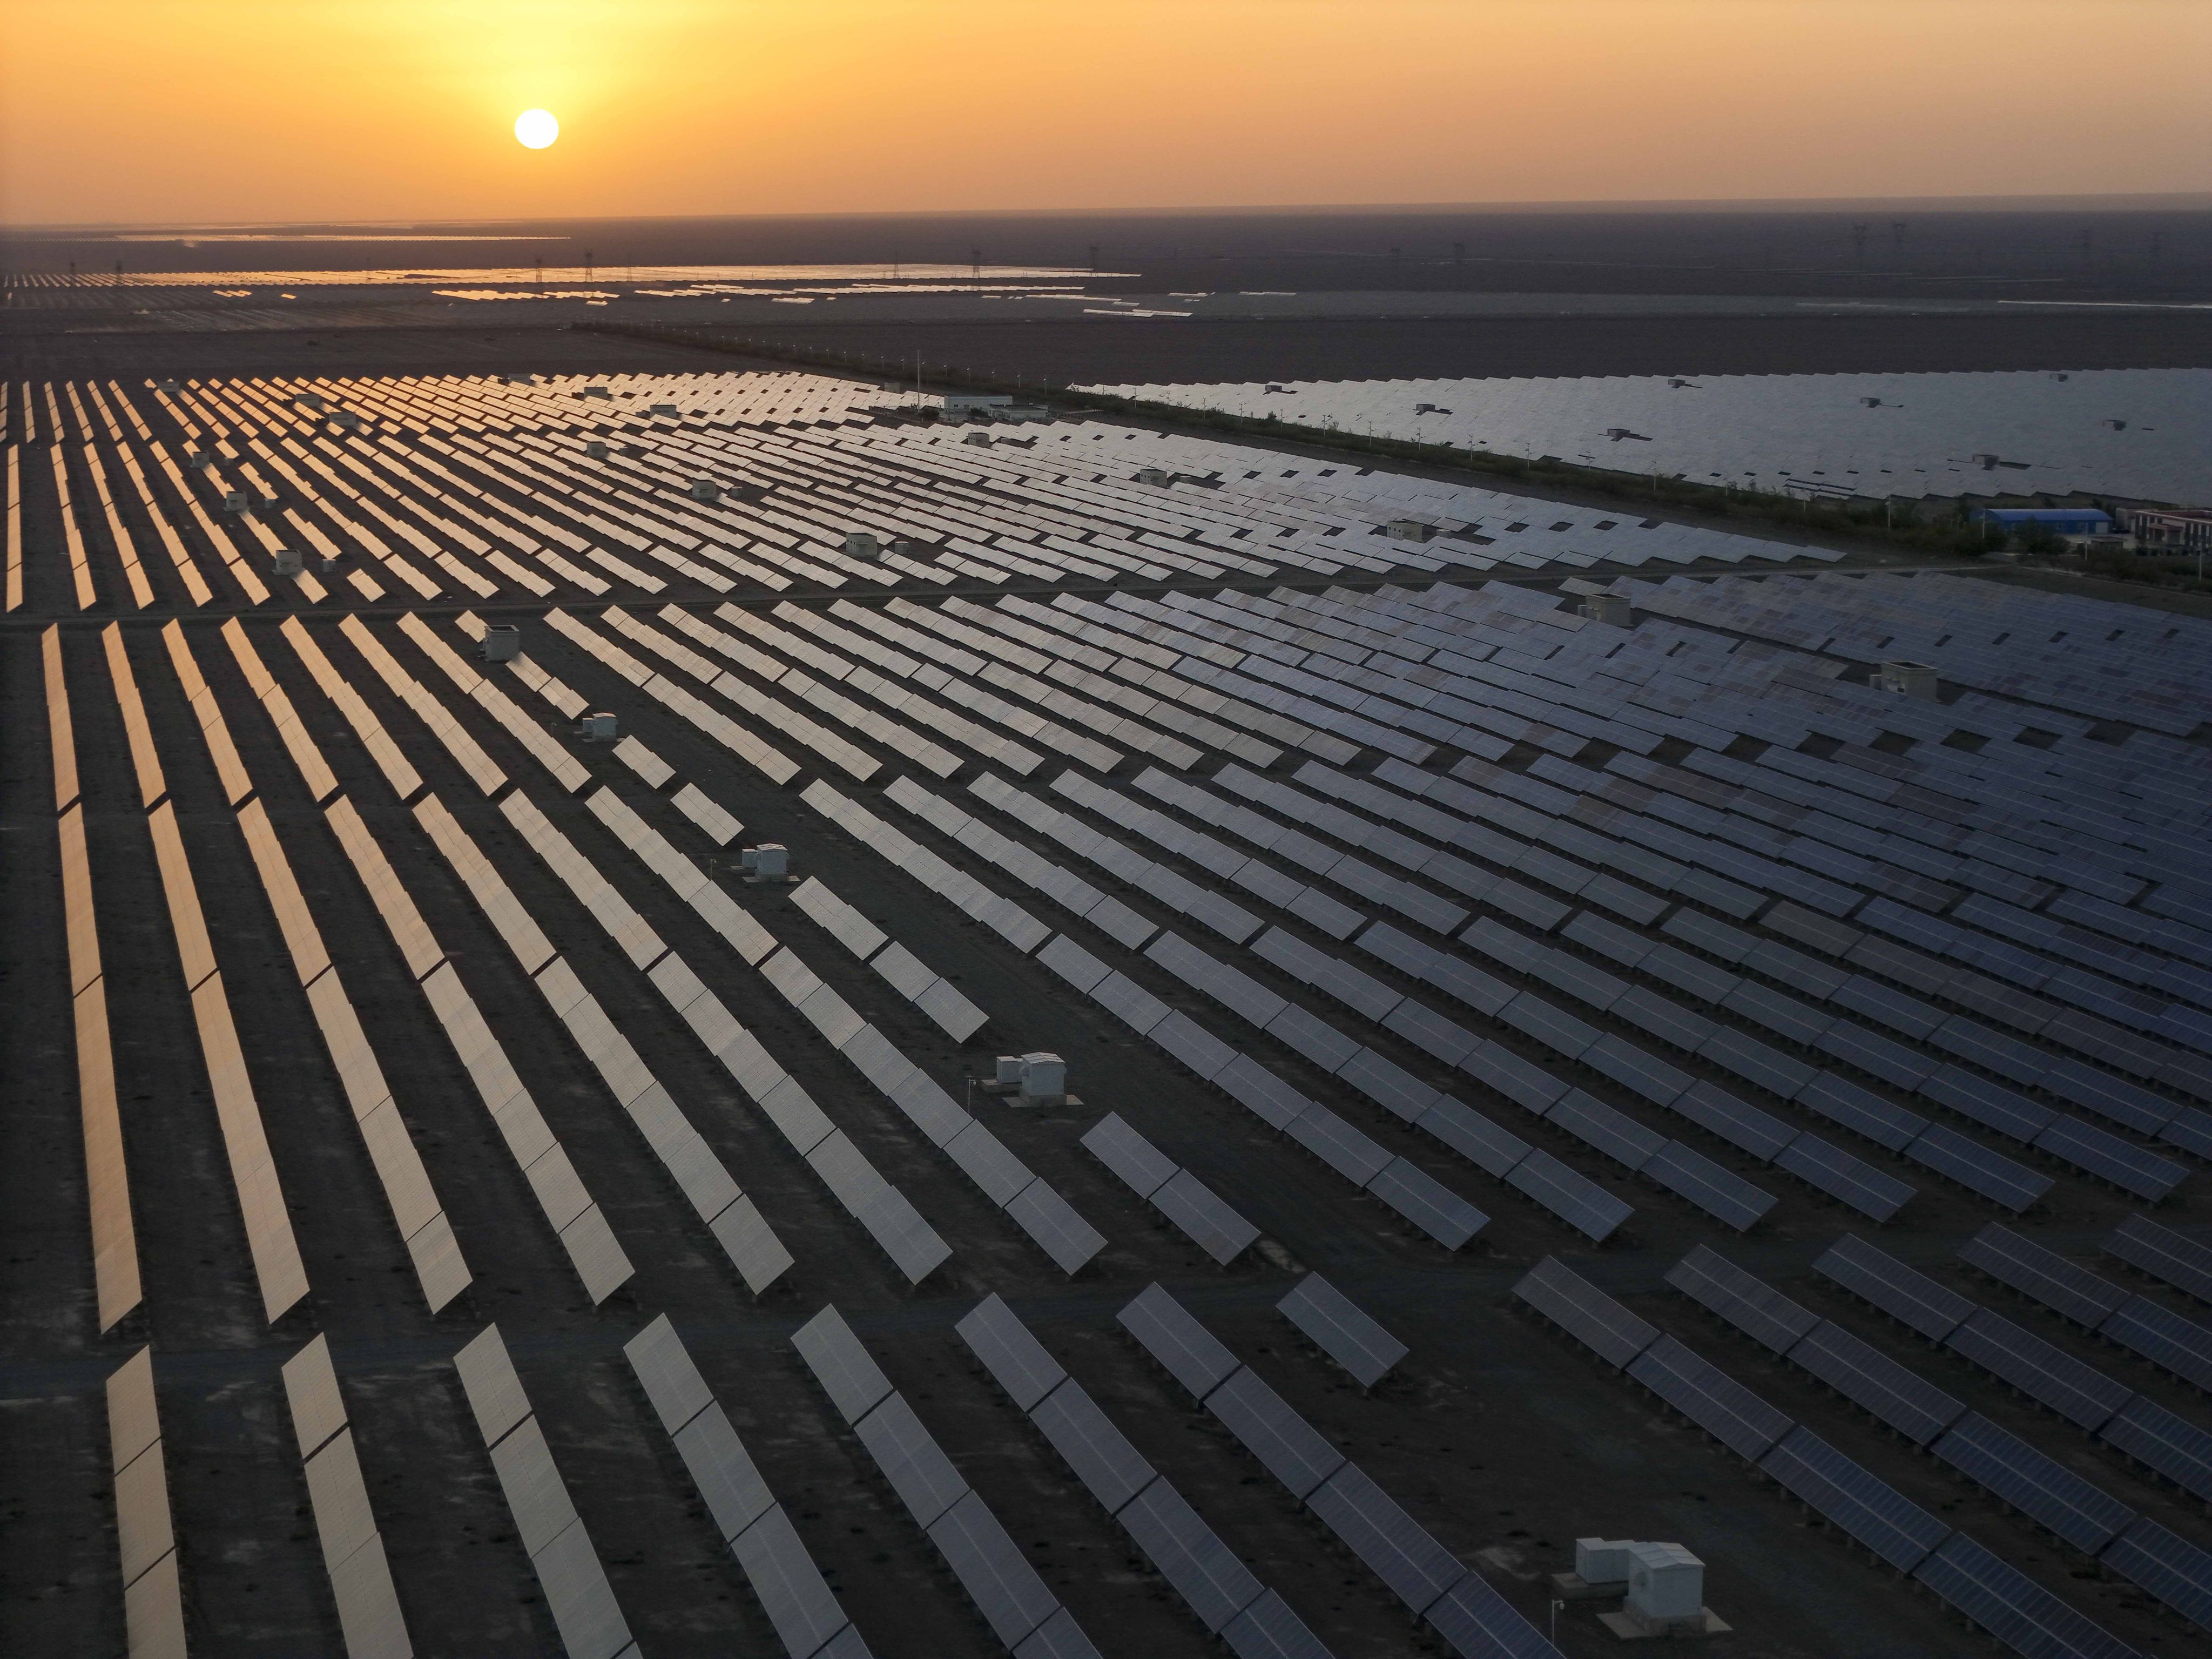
(536, 128)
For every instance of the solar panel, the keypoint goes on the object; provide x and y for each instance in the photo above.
(754, 1250)
(1344, 1149)
(1744, 1127)
(846, 1644)
(851, 929)
(1871, 1511)
(875, 1057)
(728, 1482)
(1215, 1584)
(1566, 1193)
(1317, 640)
(1432, 1033)
(1933, 1309)
(1073, 962)
(311, 1391)
(1003, 1587)
(1975, 1167)
(928, 1108)
(1610, 1131)
(1915, 1407)
(144, 1532)
(2163, 1254)
(1552, 1026)
(910, 1242)
(1871, 1191)
(911, 1460)
(1390, 1086)
(1709, 1397)
(853, 1381)
(2103, 1154)
(1721, 1194)
(2079, 1392)
(1394, 1546)
(1211, 1224)
(1426, 1202)
(2109, 1097)
(1313, 1037)
(1058, 1637)
(1258, 1089)
(535, 1492)
(1129, 1002)
(368, 1608)
(1128, 1155)
(2171, 1568)
(2048, 1277)
(2039, 1487)
(1015, 1357)
(1109, 1468)
(1167, 1331)
(1294, 1452)
(983, 1158)
(1053, 1224)
(1585, 1312)
(1477, 1620)
(1491, 1148)
(488, 1378)
(642, 761)
(664, 1369)
(2010, 1605)
(1861, 1111)
(578, 1596)
(342, 1521)
(1337, 1325)
(2153, 1436)
(2163, 1337)
(798, 1604)
(1269, 1629)
(1630, 1066)
(1747, 1302)
(904, 969)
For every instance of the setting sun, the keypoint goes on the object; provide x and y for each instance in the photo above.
(536, 128)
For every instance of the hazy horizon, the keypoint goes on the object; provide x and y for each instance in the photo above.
(2103, 202)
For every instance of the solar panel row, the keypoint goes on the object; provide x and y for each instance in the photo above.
(583, 1607)
(1423, 1575)
(153, 1605)
(1988, 1591)
(2093, 1401)
(800, 1604)
(1006, 1590)
(117, 1283)
(1176, 1193)
(271, 1241)
(495, 485)
(1866, 435)
(1214, 1583)
(369, 1615)
(1671, 873)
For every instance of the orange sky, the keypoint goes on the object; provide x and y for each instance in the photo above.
(170, 110)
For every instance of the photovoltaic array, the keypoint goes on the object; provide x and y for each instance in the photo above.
(1383, 895)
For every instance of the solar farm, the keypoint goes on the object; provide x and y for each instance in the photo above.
(696, 1014)
(2134, 433)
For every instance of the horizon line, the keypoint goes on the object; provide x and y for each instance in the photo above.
(2111, 201)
